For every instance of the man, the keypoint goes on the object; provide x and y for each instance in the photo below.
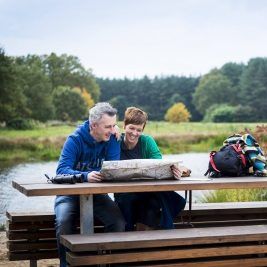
(83, 153)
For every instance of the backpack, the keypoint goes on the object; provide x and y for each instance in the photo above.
(236, 157)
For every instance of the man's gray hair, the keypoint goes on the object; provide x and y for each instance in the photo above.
(99, 109)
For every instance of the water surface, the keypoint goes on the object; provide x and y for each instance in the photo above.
(13, 200)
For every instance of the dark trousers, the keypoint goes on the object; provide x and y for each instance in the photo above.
(67, 209)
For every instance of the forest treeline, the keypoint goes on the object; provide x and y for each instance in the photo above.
(58, 87)
(233, 93)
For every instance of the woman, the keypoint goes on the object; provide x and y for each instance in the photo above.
(156, 209)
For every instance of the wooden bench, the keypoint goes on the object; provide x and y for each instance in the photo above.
(209, 246)
(31, 236)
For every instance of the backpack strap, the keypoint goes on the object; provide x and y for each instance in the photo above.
(238, 150)
(212, 153)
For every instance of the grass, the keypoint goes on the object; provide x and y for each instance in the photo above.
(45, 143)
(235, 195)
(42, 132)
(163, 128)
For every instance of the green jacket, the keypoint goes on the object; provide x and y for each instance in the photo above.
(149, 147)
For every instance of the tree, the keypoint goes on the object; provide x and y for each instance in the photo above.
(155, 95)
(253, 87)
(65, 70)
(12, 99)
(36, 87)
(120, 103)
(213, 88)
(69, 104)
(177, 113)
(233, 72)
(220, 113)
(86, 97)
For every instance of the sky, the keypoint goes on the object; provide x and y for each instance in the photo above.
(133, 38)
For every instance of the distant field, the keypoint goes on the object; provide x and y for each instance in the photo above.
(46, 142)
(152, 128)
(163, 128)
(45, 131)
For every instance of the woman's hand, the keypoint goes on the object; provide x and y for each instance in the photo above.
(180, 171)
(177, 173)
(117, 132)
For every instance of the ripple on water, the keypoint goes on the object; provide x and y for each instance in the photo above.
(11, 199)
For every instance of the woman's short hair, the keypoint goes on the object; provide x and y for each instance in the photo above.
(100, 109)
(135, 115)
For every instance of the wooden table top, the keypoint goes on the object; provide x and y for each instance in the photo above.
(41, 188)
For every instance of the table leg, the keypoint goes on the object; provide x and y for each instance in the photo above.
(86, 214)
(190, 205)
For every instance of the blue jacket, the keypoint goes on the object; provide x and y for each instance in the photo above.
(82, 154)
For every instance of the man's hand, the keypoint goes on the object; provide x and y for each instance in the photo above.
(94, 177)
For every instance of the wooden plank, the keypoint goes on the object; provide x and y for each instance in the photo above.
(35, 245)
(46, 189)
(160, 238)
(30, 226)
(14, 216)
(231, 207)
(169, 254)
(17, 235)
(210, 223)
(46, 254)
(244, 262)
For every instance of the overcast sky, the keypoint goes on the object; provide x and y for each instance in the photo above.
(132, 38)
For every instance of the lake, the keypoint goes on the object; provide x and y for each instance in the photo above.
(13, 200)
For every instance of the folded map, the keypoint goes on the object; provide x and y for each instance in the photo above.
(138, 169)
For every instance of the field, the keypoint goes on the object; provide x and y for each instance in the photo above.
(45, 142)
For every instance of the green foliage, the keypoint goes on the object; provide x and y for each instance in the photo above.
(22, 124)
(12, 99)
(213, 88)
(27, 84)
(36, 87)
(235, 195)
(245, 113)
(155, 95)
(253, 84)
(220, 113)
(226, 113)
(69, 104)
(120, 103)
(177, 113)
(67, 70)
(45, 143)
(233, 72)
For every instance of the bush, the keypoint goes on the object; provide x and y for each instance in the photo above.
(178, 113)
(226, 113)
(245, 114)
(69, 104)
(220, 113)
(22, 124)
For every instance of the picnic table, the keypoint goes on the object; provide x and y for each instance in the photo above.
(205, 246)
(86, 191)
